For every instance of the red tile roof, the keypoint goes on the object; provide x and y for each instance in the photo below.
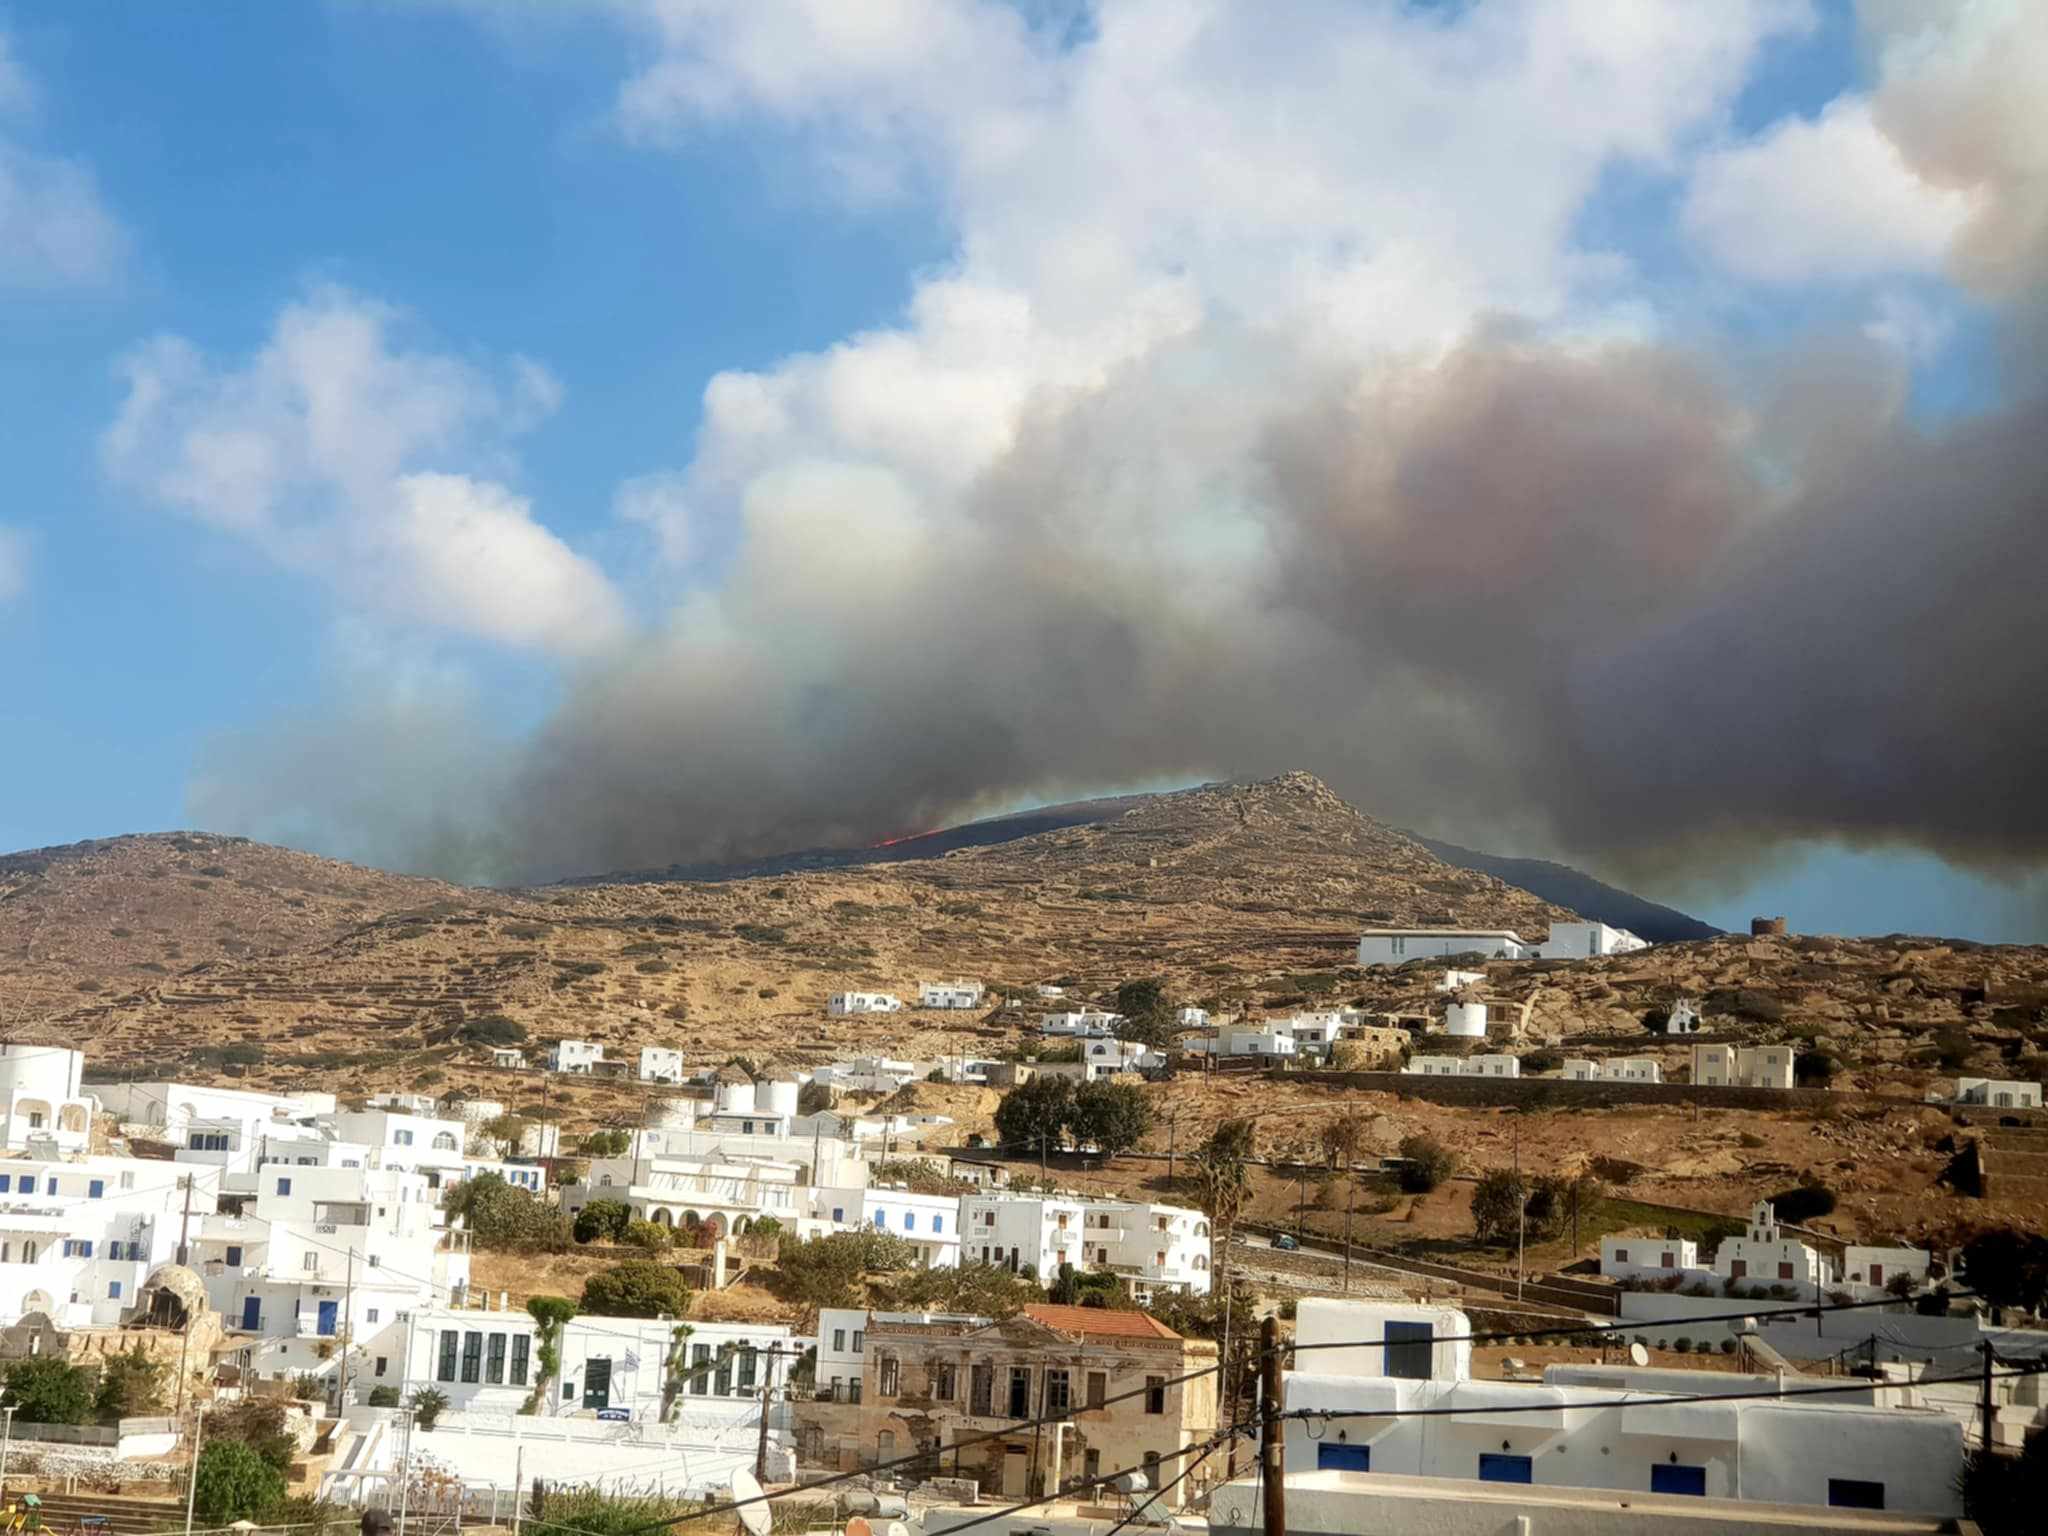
(1101, 1321)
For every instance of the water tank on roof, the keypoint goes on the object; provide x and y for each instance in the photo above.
(735, 1098)
(1466, 1019)
(776, 1098)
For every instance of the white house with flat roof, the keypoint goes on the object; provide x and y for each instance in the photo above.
(1262, 1041)
(574, 1056)
(1588, 941)
(42, 1093)
(1614, 1069)
(1391, 1395)
(950, 994)
(1997, 1093)
(1464, 1066)
(930, 1222)
(1086, 1023)
(1397, 946)
(1634, 1256)
(1730, 1066)
(427, 1144)
(171, 1107)
(660, 1064)
(842, 1004)
(1149, 1247)
(79, 1236)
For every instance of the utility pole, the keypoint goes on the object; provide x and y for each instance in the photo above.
(192, 1482)
(1172, 1136)
(6, 1443)
(1301, 1207)
(761, 1446)
(1986, 1410)
(404, 1463)
(518, 1486)
(1350, 1200)
(1272, 1463)
(1521, 1212)
(348, 1300)
(1041, 1156)
(185, 1223)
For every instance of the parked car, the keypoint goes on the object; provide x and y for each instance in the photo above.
(1285, 1242)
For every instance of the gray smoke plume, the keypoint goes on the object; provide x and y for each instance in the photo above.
(1640, 606)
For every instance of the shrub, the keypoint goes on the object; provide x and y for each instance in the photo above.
(257, 1422)
(650, 1235)
(493, 1029)
(1727, 1346)
(637, 1288)
(1682, 1344)
(602, 1220)
(384, 1396)
(131, 1385)
(501, 1215)
(232, 1482)
(1544, 1060)
(46, 1390)
(428, 1404)
(613, 1143)
(1427, 1163)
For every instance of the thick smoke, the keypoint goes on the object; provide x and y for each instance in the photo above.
(1641, 605)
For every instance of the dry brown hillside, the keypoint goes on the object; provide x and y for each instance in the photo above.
(1233, 893)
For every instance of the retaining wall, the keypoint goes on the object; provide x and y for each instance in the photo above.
(1501, 1092)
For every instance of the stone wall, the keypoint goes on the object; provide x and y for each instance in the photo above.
(1497, 1092)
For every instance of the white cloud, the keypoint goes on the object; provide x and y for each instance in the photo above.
(1941, 166)
(13, 552)
(343, 455)
(661, 503)
(1826, 198)
(54, 229)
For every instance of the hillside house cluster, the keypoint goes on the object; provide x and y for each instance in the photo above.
(1567, 941)
(1764, 1255)
(1732, 1066)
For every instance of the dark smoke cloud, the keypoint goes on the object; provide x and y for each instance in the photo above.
(1553, 597)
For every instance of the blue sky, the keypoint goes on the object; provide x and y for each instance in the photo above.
(545, 237)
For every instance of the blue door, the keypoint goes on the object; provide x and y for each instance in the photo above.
(1666, 1478)
(328, 1309)
(1505, 1469)
(252, 1313)
(1343, 1458)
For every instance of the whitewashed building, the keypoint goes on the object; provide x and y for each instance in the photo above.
(1766, 1255)
(1264, 1041)
(1588, 941)
(1386, 1389)
(1614, 1069)
(172, 1107)
(1191, 1018)
(930, 1222)
(1458, 981)
(580, 1056)
(693, 1193)
(869, 1074)
(426, 1144)
(1682, 1018)
(660, 1064)
(1876, 1267)
(1464, 1066)
(1626, 1256)
(1149, 1247)
(78, 1237)
(1729, 1066)
(950, 994)
(1997, 1093)
(41, 1088)
(1397, 946)
(1087, 1023)
(845, 1003)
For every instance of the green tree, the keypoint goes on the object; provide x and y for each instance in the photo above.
(1113, 1115)
(131, 1386)
(508, 1131)
(1222, 1180)
(384, 1395)
(1342, 1135)
(604, 1514)
(1034, 1115)
(1148, 1012)
(549, 1313)
(1808, 1200)
(257, 1422)
(830, 1271)
(2007, 1268)
(613, 1143)
(650, 1235)
(502, 1215)
(233, 1482)
(1497, 1205)
(428, 1404)
(46, 1390)
(637, 1288)
(986, 1290)
(1426, 1163)
(603, 1221)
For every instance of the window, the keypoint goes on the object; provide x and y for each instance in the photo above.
(312, 1263)
(372, 1315)
(1668, 1477)
(1621, 1255)
(945, 1383)
(750, 1367)
(6, 1182)
(910, 1221)
(859, 1335)
(1020, 1392)
(887, 1383)
(1058, 1393)
(382, 1362)
(839, 1213)
(522, 1347)
(1098, 1388)
(284, 1186)
(1408, 1350)
(494, 1362)
(446, 1370)
(128, 1179)
(401, 1138)
(938, 1223)
(1343, 1458)
(723, 1382)
(838, 1341)
(113, 1290)
(700, 1379)
(1852, 1493)
(95, 1189)
(35, 1119)
(28, 1253)
(1505, 1469)
(77, 1247)
(472, 1355)
(234, 1256)
(444, 1141)
(1155, 1394)
(49, 1184)
(1784, 1271)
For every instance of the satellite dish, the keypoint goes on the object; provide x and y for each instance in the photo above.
(1637, 1355)
(746, 1492)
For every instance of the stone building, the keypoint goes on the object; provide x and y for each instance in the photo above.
(1114, 1375)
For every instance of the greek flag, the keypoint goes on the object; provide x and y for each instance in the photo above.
(631, 1362)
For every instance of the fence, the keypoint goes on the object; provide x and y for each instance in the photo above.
(69, 1434)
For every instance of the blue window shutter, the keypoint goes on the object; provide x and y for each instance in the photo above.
(1343, 1458)
(284, 1186)
(95, 1189)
